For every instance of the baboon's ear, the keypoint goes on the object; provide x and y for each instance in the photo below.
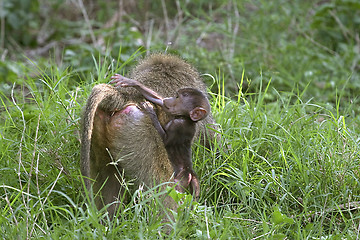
(198, 114)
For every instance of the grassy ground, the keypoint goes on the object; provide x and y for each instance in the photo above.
(284, 80)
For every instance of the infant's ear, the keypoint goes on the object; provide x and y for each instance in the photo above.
(198, 114)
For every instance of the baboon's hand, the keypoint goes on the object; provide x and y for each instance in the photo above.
(121, 81)
(147, 107)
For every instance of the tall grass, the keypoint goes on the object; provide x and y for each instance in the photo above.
(283, 80)
(288, 168)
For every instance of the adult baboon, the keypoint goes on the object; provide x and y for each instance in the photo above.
(118, 137)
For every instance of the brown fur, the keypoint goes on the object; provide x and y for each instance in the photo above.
(128, 137)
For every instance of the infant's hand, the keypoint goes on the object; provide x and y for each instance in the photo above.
(121, 81)
(147, 107)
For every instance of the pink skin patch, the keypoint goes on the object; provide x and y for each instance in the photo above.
(118, 118)
(128, 109)
(133, 111)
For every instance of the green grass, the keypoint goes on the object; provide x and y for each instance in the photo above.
(288, 168)
(284, 81)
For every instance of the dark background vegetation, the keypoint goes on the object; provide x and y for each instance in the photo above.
(284, 82)
(293, 43)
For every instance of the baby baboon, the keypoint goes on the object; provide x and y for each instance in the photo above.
(187, 107)
(118, 139)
